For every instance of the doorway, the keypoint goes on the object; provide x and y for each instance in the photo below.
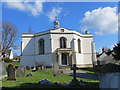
(64, 58)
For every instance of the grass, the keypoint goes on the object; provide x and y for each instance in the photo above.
(32, 82)
(15, 63)
(89, 70)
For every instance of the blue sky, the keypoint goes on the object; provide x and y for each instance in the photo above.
(99, 18)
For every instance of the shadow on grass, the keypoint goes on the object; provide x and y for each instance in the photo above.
(86, 76)
(93, 70)
(36, 86)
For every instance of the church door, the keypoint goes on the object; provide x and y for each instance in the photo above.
(64, 58)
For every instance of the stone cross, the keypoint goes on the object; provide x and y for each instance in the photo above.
(74, 68)
(11, 72)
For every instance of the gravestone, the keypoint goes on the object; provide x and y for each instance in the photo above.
(55, 65)
(20, 71)
(74, 81)
(11, 72)
(2, 68)
(56, 73)
(28, 68)
(110, 80)
(30, 75)
(56, 69)
(40, 65)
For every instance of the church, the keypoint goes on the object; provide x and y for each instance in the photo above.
(61, 45)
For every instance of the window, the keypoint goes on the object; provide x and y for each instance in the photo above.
(41, 46)
(62, 30)
(63, 42)
(79, 46)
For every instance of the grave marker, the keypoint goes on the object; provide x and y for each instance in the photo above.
(20, 71)
(74, 81)
(11, 72)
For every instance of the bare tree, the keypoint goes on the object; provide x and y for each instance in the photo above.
(9, 36)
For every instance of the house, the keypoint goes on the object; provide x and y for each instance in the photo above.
(8, 54)
(106, 57)
(61, 45)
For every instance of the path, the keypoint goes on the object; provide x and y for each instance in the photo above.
(82, 74)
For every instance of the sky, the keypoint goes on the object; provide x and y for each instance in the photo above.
(98, 18)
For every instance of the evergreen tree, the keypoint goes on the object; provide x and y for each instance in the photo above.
(116, 51)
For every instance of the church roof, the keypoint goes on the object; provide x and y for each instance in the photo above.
(57, 31)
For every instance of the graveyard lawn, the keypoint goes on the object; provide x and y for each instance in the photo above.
(32, 82)
(15, 63)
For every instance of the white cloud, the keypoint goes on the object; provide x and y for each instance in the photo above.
(53, 13)
(102, 20)
(35, 8)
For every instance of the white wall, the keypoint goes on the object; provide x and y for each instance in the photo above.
(27, 46)
(56, 40)
(52, 42)
(27, 60)
(79, 59)
(47, 58)
(11, 55)
(47, 43)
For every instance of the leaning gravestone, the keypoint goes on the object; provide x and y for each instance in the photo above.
(11, 72)
(20, 71)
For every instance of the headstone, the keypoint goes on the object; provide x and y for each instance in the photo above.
(40, 65)
(2, 68)
(56, 69)
(28, 68)
(56, 73)
(20, 71)
(109, 80)
(74, 81)
(30, 75)
(55, 65)
(11, 72)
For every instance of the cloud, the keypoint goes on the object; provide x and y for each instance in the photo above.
(53, 13)
(35, 8)
(102, 20)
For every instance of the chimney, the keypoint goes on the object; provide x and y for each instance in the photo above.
(103, 50)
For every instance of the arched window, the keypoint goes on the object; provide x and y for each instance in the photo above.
(41, 46)
(79, 46)
(63, 42)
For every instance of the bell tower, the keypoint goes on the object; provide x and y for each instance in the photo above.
(56, 23)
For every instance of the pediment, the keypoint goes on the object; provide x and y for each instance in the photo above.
(62, 30)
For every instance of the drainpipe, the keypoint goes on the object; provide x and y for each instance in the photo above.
(92, 49)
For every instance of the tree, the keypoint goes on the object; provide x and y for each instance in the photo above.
(9, 37)
(116, 51)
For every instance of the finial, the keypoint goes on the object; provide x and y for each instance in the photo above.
(56, 17)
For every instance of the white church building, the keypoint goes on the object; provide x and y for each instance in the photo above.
(61, 45)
